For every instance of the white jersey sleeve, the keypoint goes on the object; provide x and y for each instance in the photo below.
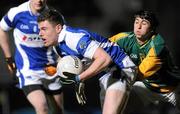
(79, 41)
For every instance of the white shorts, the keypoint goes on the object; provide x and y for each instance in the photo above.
(35, 78)
(148, 96)
(108, 82)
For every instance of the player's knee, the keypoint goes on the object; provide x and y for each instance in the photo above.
(41, 108)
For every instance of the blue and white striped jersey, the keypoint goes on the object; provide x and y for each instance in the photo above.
(82, 43)
(30, 54)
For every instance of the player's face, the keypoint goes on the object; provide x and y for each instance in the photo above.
(49, 32)
(141, 27)
(37, 5)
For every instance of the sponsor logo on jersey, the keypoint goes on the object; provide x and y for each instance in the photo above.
(24, 38)
(133, 56)
(31, 38)
(33, 22)
(29, 77)
(24, 27)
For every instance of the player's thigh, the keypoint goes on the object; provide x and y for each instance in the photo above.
(146, 95)
(54, 94)
(108, 82)
(114, 101)
(53, 91)
(114, 94)
(55, 97)
(36, 96)
(59, 99)
(59, 103)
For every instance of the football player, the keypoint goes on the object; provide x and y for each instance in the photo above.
(157, 74)
(85, 44)
(31, 56)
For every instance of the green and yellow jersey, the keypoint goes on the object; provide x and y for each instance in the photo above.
(154, 61)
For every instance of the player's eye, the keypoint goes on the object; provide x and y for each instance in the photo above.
(136, 22)
(145, 22)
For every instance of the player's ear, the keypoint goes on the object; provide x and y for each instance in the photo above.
(58, 28)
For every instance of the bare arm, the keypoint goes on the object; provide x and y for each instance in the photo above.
(101, 61)
(4, 43)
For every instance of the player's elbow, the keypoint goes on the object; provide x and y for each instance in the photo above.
(103, 57)
(107, 59)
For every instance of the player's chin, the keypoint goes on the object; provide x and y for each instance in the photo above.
(48, 44)
(39, 8)
(138, 35)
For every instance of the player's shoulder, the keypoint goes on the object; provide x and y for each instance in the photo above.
(18, 9)
(120, 35)
(157, 43)
(70, 34)
(76, 32)
(157, 40)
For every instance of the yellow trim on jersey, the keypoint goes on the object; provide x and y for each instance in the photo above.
(150, 65)
(118, 36)
(167, 89)
(163, 89)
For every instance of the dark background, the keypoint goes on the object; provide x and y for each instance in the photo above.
(106, 17)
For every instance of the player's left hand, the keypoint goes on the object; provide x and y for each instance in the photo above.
(80, 95)
(69, 78)
(129, 75)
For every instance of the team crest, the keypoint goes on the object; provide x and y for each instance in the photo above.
(82, 44)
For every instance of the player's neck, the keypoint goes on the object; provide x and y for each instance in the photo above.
(141, 41)
(35, 11)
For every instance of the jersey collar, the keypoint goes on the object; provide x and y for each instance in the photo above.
(62, 34)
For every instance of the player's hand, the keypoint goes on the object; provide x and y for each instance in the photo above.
(129, 75)
(69, 78)
(11, 64)
(50, 70)
(12, 68)
(80, 95)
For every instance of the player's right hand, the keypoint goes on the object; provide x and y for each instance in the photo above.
(12, 68)
(11, 64)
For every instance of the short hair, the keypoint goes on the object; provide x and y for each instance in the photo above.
(148, 15)
(51, 15)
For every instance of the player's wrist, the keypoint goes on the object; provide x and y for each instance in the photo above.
(9, 60)
(11, 63)
(77, 78)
